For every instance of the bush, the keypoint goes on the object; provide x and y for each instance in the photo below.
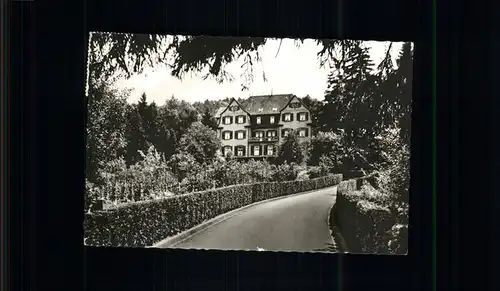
(366, 218)
(146, 222)
(315, 172)
(285, 172)
(398, 243)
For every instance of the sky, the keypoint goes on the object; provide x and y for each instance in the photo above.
(292, 71)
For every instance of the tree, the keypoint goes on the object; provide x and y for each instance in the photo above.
(136, 136)
(106, 127)
(173, 119)
(291, 150)
(316, 108)
(208, 120)
(201, 142)
(349, 92)
(115, 54)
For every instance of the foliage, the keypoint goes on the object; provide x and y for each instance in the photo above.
(201, 142)
(285, 172)
(395, 164)
(315, 172)
(208, 120)
(106, 127)
(148, 179)
(120, 54)
(291, 150)
(145, 223)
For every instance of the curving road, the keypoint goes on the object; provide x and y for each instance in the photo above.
(295, 223)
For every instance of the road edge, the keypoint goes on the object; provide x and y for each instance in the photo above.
(178, 238)
(335, 232)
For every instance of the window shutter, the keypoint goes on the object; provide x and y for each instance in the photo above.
(260, 150)
(307, 116)
(244, 134)
(307, 131)
(282, 133)
(230, 135)
(244, 119)
(230, 120)
(282, 117)
(291, 117)
(265, 149)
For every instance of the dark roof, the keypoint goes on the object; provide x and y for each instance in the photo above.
(266, 103)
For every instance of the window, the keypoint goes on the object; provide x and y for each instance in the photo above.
(285, 132)
(227, 150)
(227, 120)
(227, 135)
(259, 119)
(271, 133)
(295, 105)
(261, 109)
(302, 133)
(275, 109)
(303, 116)
(240, 135)
(234, 108)
(271, 119)
(270, 150)
(241, 119)
(239, 152)
(256, 150)
(288, 117)
(258, 134)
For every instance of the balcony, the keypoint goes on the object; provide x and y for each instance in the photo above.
(263, 139)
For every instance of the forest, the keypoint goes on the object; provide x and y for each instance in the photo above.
(146, 151)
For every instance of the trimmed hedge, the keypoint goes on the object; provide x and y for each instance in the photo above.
(147, 222)
(362, 219)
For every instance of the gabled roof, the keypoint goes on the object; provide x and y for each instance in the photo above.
(264, 104)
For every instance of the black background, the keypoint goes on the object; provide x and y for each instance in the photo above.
(48, 53)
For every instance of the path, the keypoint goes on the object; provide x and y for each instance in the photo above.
(295, 223)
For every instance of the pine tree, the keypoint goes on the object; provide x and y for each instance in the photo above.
(136, 136)
(208, 120)
(404, 84)
(349, 92)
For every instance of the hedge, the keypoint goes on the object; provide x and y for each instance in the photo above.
(147, 222)
(366, 225)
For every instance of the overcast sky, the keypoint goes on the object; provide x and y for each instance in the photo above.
(294, 70)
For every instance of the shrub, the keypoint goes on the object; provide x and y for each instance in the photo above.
(285, 172)
(398, 243)
(315, 172)
(146, 222)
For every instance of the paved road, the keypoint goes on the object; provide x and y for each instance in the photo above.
(296, 223)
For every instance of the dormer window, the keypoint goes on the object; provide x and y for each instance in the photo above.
(261, 109)
(258, 120)
(275, 109)
(271, 119)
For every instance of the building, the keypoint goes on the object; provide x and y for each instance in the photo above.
(254, 128)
